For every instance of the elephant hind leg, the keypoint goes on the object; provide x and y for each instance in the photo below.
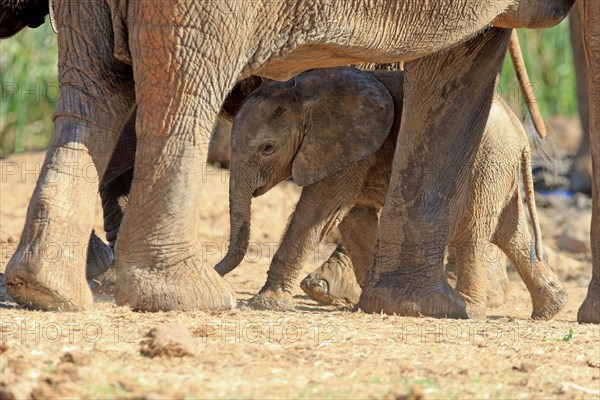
(512, 236)
(495, 267)
(334, 281)
(497, 278)
(341, 277)
(471, 277)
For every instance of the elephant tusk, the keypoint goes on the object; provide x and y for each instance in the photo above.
(52, 17)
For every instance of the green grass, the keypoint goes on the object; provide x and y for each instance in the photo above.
(28, 77)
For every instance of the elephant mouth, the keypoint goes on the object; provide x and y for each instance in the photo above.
(259, 191)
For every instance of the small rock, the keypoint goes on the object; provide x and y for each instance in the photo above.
(592, 363)
(7, 395)
(525, 366)
(170, 340)
(575, 236)
(75, 357)
(582, 201)
(415, 393)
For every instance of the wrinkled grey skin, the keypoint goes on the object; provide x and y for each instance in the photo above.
(589, 14)
(181, 81)
(580, 174)
(280, 131)
(114, 193)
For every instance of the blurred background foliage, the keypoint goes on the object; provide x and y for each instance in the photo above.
(28, 77)
(28, 89)
(549, 59)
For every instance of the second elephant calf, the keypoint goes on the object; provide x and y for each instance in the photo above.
(335, 132)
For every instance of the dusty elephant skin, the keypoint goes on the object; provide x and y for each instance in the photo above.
(589, 13)
(179, 89)
(580, 174)
(282, 125)
(116, 184)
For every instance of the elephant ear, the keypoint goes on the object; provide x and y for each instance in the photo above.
(348, 114)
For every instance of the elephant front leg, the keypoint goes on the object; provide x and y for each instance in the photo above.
(447, 101)
(47, 270)
(321, 207)
(180, 84)
(589, 12)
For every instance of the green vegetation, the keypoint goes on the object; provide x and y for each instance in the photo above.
(28, 82)
(568, 336)
(549, 61)
(28, 89)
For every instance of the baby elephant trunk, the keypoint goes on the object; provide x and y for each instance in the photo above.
(239, 217)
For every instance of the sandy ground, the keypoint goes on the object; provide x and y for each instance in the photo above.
(315, 352)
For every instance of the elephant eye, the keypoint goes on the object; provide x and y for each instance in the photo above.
(268, 148)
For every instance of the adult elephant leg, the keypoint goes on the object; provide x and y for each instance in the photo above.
(48, 269)
(581, 170)
(447, 101)
(179, 94)
(589, 12)
(116, 181)
(114, 192)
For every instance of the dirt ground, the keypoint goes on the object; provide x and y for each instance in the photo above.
(315, 352)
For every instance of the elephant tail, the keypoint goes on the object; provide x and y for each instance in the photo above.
(514, 48)
(530, 199)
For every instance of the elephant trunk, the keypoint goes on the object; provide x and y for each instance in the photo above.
(240, 199)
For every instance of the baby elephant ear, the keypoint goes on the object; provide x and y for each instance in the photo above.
(348, 115)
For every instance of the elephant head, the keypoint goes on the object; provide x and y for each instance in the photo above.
(306, 128)
(17, 14)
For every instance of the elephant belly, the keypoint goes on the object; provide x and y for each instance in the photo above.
(317, 55)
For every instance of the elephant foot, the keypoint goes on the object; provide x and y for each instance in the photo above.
(55, 287)
(274, 300)
(549, 301)
(396, 293)
(189, 285)
(476, 312)
(100, 267)
(580, 174)
(475, 309)
(333, 282)
(589, 312)
(99, 257)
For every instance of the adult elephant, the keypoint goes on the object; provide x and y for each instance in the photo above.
(580, 174)
(184, 57)
(589, 14)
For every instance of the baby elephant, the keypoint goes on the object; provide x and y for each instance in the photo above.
(334, 132)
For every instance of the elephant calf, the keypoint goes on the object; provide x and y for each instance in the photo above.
(334, 131)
